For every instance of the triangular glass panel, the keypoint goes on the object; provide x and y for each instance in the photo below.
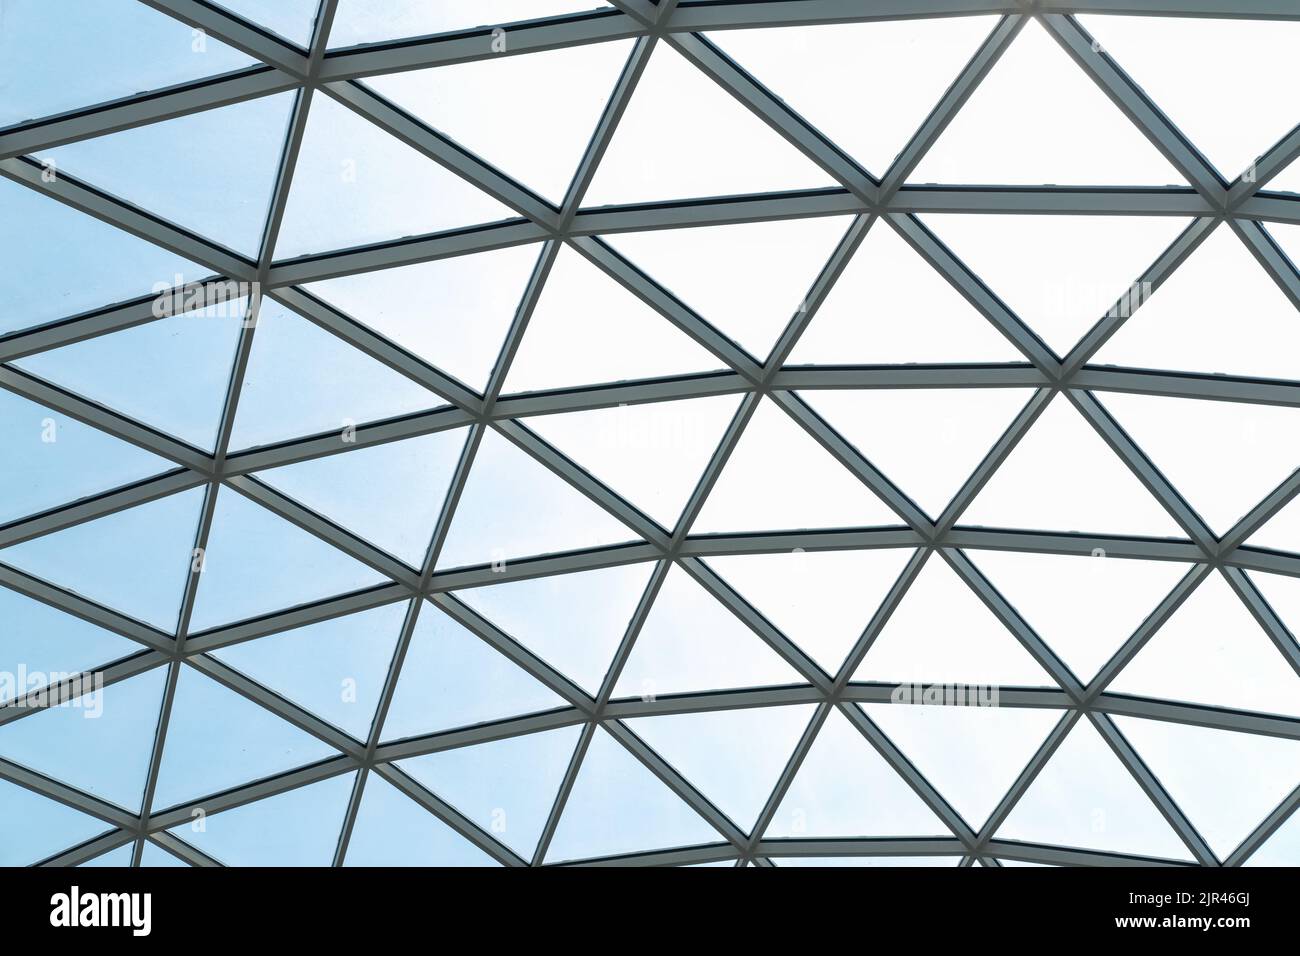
(355, 185)
(204, 185)
(1196, 90)
(653, 454)
(38, 287)
(153, 855)
(821, 600)
(1282, 848)
(889, 306)
(618, 806)
(302, 380)
(391, 829)
(1085, 797)
(257, 562)
(942, 632)
(503, 108)
(927, 441)
(1059, 274)
(33, 827)
(451, 678)
(683, 135)
(746, 279)
(690, 642)
(172, 373)
(820, 70)
(52, 459)
(1181, 325)
(1048, 123)
(1226, 783)
(291, 19)
(778, 477)
(1083, 606)
(1063, 477)
(41, 645)
(1212, 651)
(389, 494)
(507, 787)
(134, 561)
(217, 739)
(1223, 457)
(587, 329)
(99, 742)
(462, 330)
(828, 795)
(335, 669)
(972, 755)
(53, 60)
(514, 507)
(733, 757)
(299, 827)
(538, 613)
(369, 21)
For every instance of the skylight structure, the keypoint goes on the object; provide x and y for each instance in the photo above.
(701, 433)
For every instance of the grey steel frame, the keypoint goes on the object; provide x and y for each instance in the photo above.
(884, 203)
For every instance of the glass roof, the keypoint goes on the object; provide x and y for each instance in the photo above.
(696, 433)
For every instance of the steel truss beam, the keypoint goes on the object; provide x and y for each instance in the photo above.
(866, 203)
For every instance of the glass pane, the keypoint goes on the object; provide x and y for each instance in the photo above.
(671, 655)
(393, 830)
(734, 757)
(171, 373)
(683, 135)
(1091, 487)
(210, 172)
(507, 787)
(453, 313)
(452, 678)
(33, 827)
(504, 108)
(335, 669)
(972, 755)
(53, 56)
(292, 19)
(1037, 118)
(890, 306)
(514, 507)
(1084, 797)
(1083, 606)
(748, 279)
(1212, 651)
(826, 797)
(539, 613)
(256, 562)
(779, 477)
(99, 742)
(821, 600)
(821, 71)
(368, 21)
(38, 287)
(354, 185)
(204, 756)
(942, 632)
(652, 454)
(926, 441)
(389, 494)
(53, 459)
(135, 561)
(618, 806)
(297, 828)
(587, 329)
(819, 861)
